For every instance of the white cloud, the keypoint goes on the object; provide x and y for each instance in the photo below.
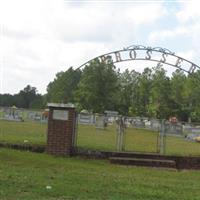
(146, 13)
(185, 33)
(40, 38)
(189, 55)
(166, 34)
(189, 11)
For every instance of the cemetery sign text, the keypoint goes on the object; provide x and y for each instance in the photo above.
(138, 52)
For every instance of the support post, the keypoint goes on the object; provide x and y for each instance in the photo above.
(162, 138)
(120, 134)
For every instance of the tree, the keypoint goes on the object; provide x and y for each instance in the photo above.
(193, 96)
(26, 97)
(179, 104)
(145, 88)
(98, 87)
(6, 100)
(38, 102)
(129, 92)
(159, 105)
(61, 90)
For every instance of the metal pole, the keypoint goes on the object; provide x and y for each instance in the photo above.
(162, 135)
(123, 134)
(120, 134)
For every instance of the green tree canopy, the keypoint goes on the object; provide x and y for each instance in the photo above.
(98, 87)
(26, 98)
(159, 104)
(128, 95)
(61, 90)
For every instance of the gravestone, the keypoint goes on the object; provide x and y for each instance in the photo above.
(12, 114)
(111, 116)
(86, 118)
(100, 122)
(155, 124)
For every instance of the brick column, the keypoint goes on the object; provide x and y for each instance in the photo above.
(61, 127)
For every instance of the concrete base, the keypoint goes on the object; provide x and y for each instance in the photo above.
(143, 162)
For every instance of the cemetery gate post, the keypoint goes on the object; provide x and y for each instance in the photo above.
(61, 129)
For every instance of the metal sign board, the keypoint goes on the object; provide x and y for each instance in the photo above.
(60, 115)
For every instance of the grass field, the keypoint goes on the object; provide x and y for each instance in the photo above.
(136, 140)
(18, 132)
(31, 176)
(89, 137)
(1, 114)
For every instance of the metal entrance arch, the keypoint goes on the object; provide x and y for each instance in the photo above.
(154, 54)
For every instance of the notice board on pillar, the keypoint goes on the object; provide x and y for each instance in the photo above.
(60, 115)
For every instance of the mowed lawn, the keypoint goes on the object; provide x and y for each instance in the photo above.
(31, 176)
(91, 138)
(21, 132)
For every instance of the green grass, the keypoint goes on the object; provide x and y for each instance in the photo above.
(180, 146)
(18, 132)
(1, 114)
(92, 138)
(25, 175)
(136, 139)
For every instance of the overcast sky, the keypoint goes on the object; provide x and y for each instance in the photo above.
(39, 38)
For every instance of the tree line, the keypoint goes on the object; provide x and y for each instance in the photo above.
(26, 98)
(100, 86)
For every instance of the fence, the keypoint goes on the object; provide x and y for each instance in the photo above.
(180, 128)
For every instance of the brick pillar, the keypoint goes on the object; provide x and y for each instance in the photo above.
(61, 127)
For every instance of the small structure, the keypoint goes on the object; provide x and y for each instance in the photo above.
(100, 121)
(13, 114)
(61, 129)
(85, 117)
(111, 116)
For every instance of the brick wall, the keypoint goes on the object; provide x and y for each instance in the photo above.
(60, 133)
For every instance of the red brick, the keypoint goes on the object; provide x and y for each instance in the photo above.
(60, 133)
